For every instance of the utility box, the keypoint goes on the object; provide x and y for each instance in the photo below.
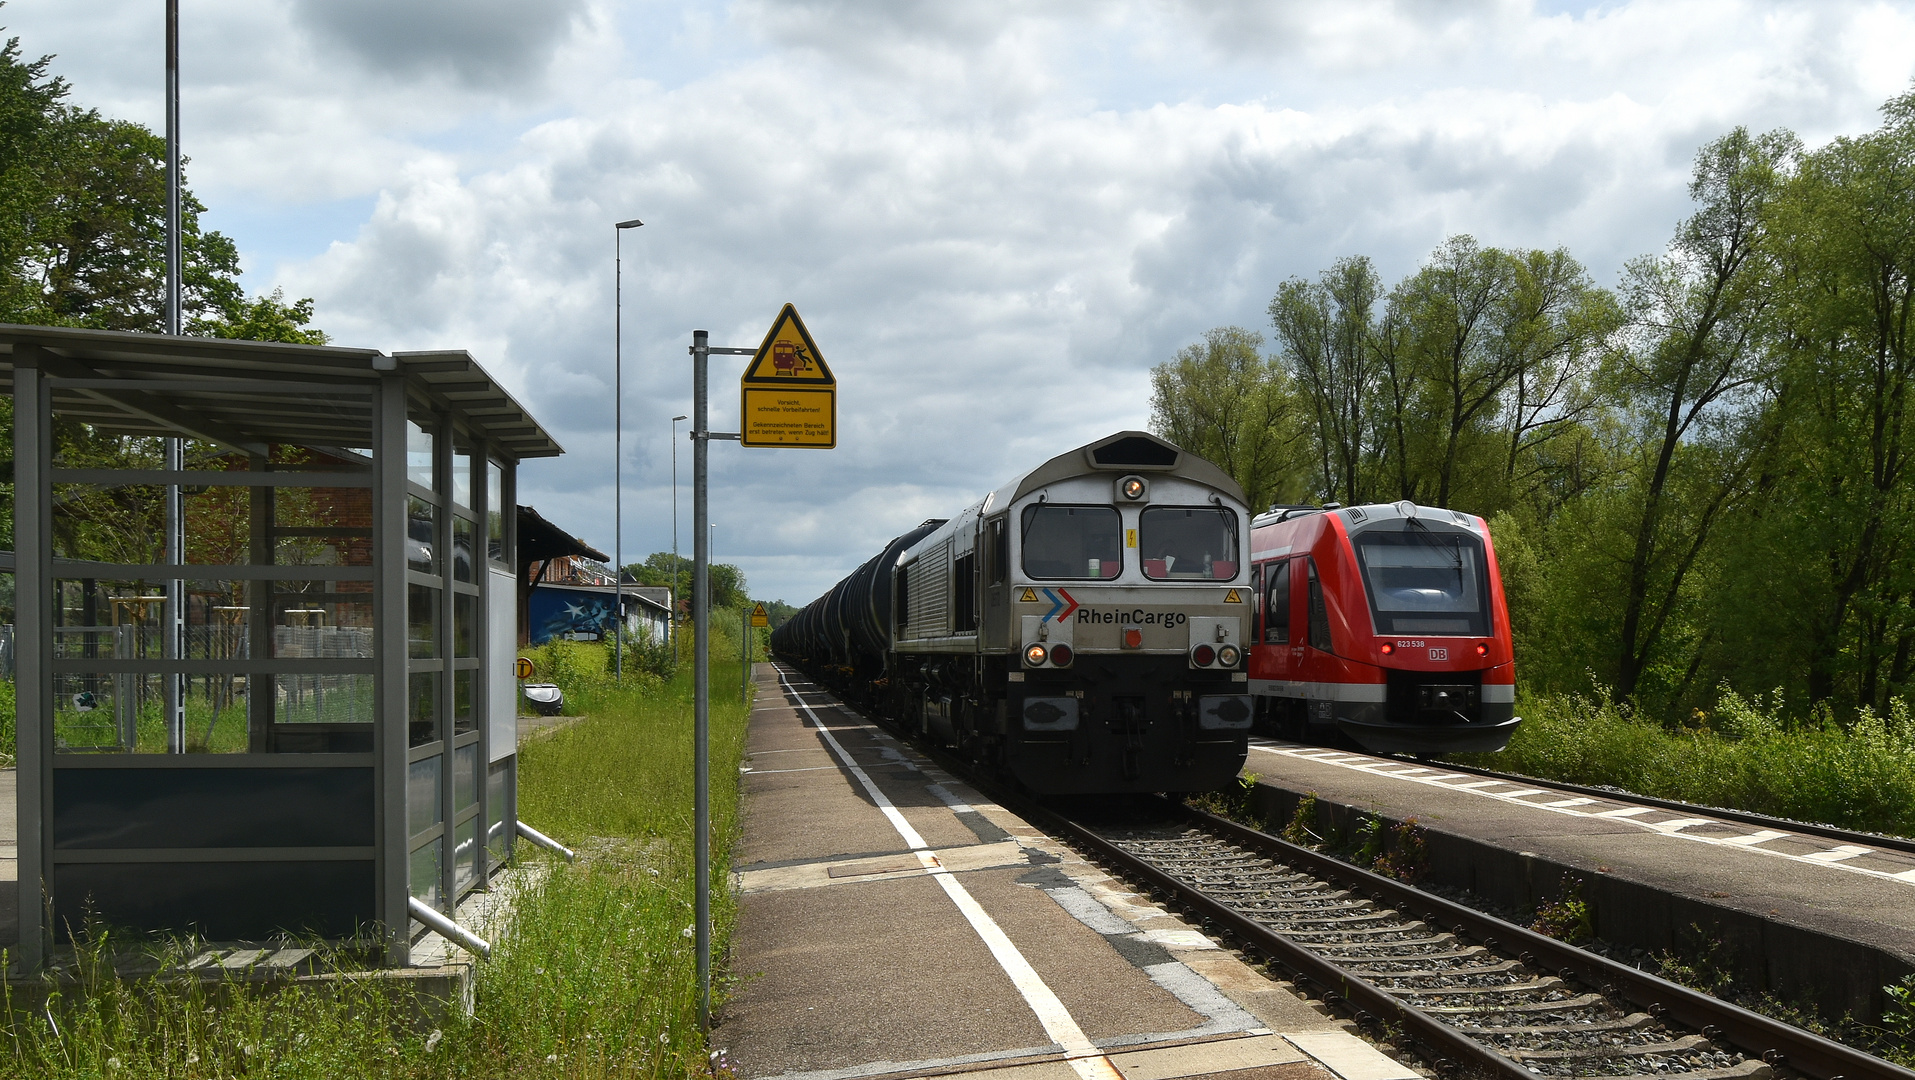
(265, 604)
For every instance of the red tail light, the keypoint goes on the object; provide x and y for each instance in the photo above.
(1133, 638)
(1389, 647)
(1204, 655)
(1061, 655)
(1482, 648)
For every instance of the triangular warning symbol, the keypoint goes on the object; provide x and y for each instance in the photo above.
(788, 356)
(1029, 597)
(1231, 597)
(759, 610)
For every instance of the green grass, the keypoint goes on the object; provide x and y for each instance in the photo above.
(594, 977)
(1745, 754)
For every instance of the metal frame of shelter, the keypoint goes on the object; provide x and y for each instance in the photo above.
(346, 742)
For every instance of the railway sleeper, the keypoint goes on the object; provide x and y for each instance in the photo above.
(1581, 1001)
(1533, 986)
(1333, 948)
(1751, 1069)
(1258, 905)
(1355, 926)
(1583, 1053)
(1369, 971)
(1632, 1022)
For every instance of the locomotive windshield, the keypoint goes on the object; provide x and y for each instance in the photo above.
(1424, 582)
(1194, 542)
(1073, 543)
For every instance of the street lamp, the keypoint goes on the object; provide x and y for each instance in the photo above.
(618, 453)
(672, 623)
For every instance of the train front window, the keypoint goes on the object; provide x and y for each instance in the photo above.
(1189, 542)
(1424, 582)
(1072, 543)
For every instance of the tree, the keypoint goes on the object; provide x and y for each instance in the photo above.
(728, 589)
(1327, 341)
(1221, 399)
(266, 318)
(1690, 369)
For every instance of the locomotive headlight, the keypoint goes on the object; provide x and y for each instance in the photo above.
(1034, 656)
(1227, 656)
(1133, 488)
(1203, 656)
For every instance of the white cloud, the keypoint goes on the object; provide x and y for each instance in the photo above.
(995, 217)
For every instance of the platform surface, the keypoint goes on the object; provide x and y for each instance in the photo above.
(894, 923)
(1853, 891)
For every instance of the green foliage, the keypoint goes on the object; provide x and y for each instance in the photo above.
(1301, 828)
(265, 318)
(728, 589)
(1233, 802)
(1898, 1018)
(1406, 855)
(9, 744)
(1744, 753)
(1567, 918)
(1224, 400)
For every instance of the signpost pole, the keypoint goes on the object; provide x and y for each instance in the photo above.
(701, 669)
(744, 655)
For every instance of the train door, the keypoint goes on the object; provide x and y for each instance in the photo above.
(994, 632)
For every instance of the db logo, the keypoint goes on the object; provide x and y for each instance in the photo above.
(1439, 654)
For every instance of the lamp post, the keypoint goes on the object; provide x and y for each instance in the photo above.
(671, 624)
(618, 449)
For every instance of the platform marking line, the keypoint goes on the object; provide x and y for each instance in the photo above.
(1083, 1056)
(1835, 858)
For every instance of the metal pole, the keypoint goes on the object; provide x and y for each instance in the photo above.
(174, 613)
(618, 447)
(701, 669)
(744, 653)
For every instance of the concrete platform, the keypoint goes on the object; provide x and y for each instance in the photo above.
(1799, 915)
(893, 923)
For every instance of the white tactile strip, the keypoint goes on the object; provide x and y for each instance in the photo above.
(1649, 818)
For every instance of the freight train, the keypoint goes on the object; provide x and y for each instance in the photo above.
(1082, 628)
(1385, 624)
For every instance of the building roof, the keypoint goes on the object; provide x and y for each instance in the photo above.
(309, 394)
(539, 540)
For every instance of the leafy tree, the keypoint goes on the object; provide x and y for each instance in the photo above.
(1327, 339)
(1223, 400)
(266, 318)
(728, 588)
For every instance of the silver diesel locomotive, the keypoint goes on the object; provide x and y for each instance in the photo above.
(1082, 627)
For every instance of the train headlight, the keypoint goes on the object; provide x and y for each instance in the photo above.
(1034, 655)
(1227, 655)
(1482, 648)
(1203, 656)
(1061, 654)
(1133, 488)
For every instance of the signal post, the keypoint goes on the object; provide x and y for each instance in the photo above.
(787, 398)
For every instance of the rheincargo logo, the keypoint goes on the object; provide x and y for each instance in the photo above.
(1137, 617)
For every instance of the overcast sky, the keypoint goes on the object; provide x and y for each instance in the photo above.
(994, 217)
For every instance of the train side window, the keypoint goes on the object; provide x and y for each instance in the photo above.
(966, 600)
(997, 544)
(1256, 603)
(903, 588)
(1276, 606)
(1319, 616)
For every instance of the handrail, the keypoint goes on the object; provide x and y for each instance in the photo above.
(446, 928)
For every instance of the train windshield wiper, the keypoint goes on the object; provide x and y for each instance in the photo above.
(1453, 550)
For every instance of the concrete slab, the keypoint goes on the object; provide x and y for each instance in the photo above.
(894, 923)
(1799, 915)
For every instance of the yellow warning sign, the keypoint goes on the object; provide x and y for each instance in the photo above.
(758, 616)
(787, 395)
(1231, 597)
(1130, 538)
(1029, 597)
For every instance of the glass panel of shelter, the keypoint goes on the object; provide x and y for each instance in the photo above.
(259, 654)
(445, 620)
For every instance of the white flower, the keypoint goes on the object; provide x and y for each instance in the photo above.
(688, 933)
(432, 1040)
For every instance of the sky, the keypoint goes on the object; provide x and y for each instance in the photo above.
(994, 217)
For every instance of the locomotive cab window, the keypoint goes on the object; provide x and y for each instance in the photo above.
(1189, 542)
(1074, 543)
(1276, 606)
(997, 547)
(1424, 582)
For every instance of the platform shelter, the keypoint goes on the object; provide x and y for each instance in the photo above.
(266, 612)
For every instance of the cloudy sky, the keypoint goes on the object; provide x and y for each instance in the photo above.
(995, 217)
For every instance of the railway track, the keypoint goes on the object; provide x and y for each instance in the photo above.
(1469, 993)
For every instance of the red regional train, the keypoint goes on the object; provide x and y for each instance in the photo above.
(1384, 623)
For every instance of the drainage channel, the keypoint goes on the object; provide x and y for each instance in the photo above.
(1473, 994)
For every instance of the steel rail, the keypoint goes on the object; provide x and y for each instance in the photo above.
(1440, 1040)
(1772, 1040)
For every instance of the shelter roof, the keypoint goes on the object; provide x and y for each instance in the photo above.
(310, 394)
